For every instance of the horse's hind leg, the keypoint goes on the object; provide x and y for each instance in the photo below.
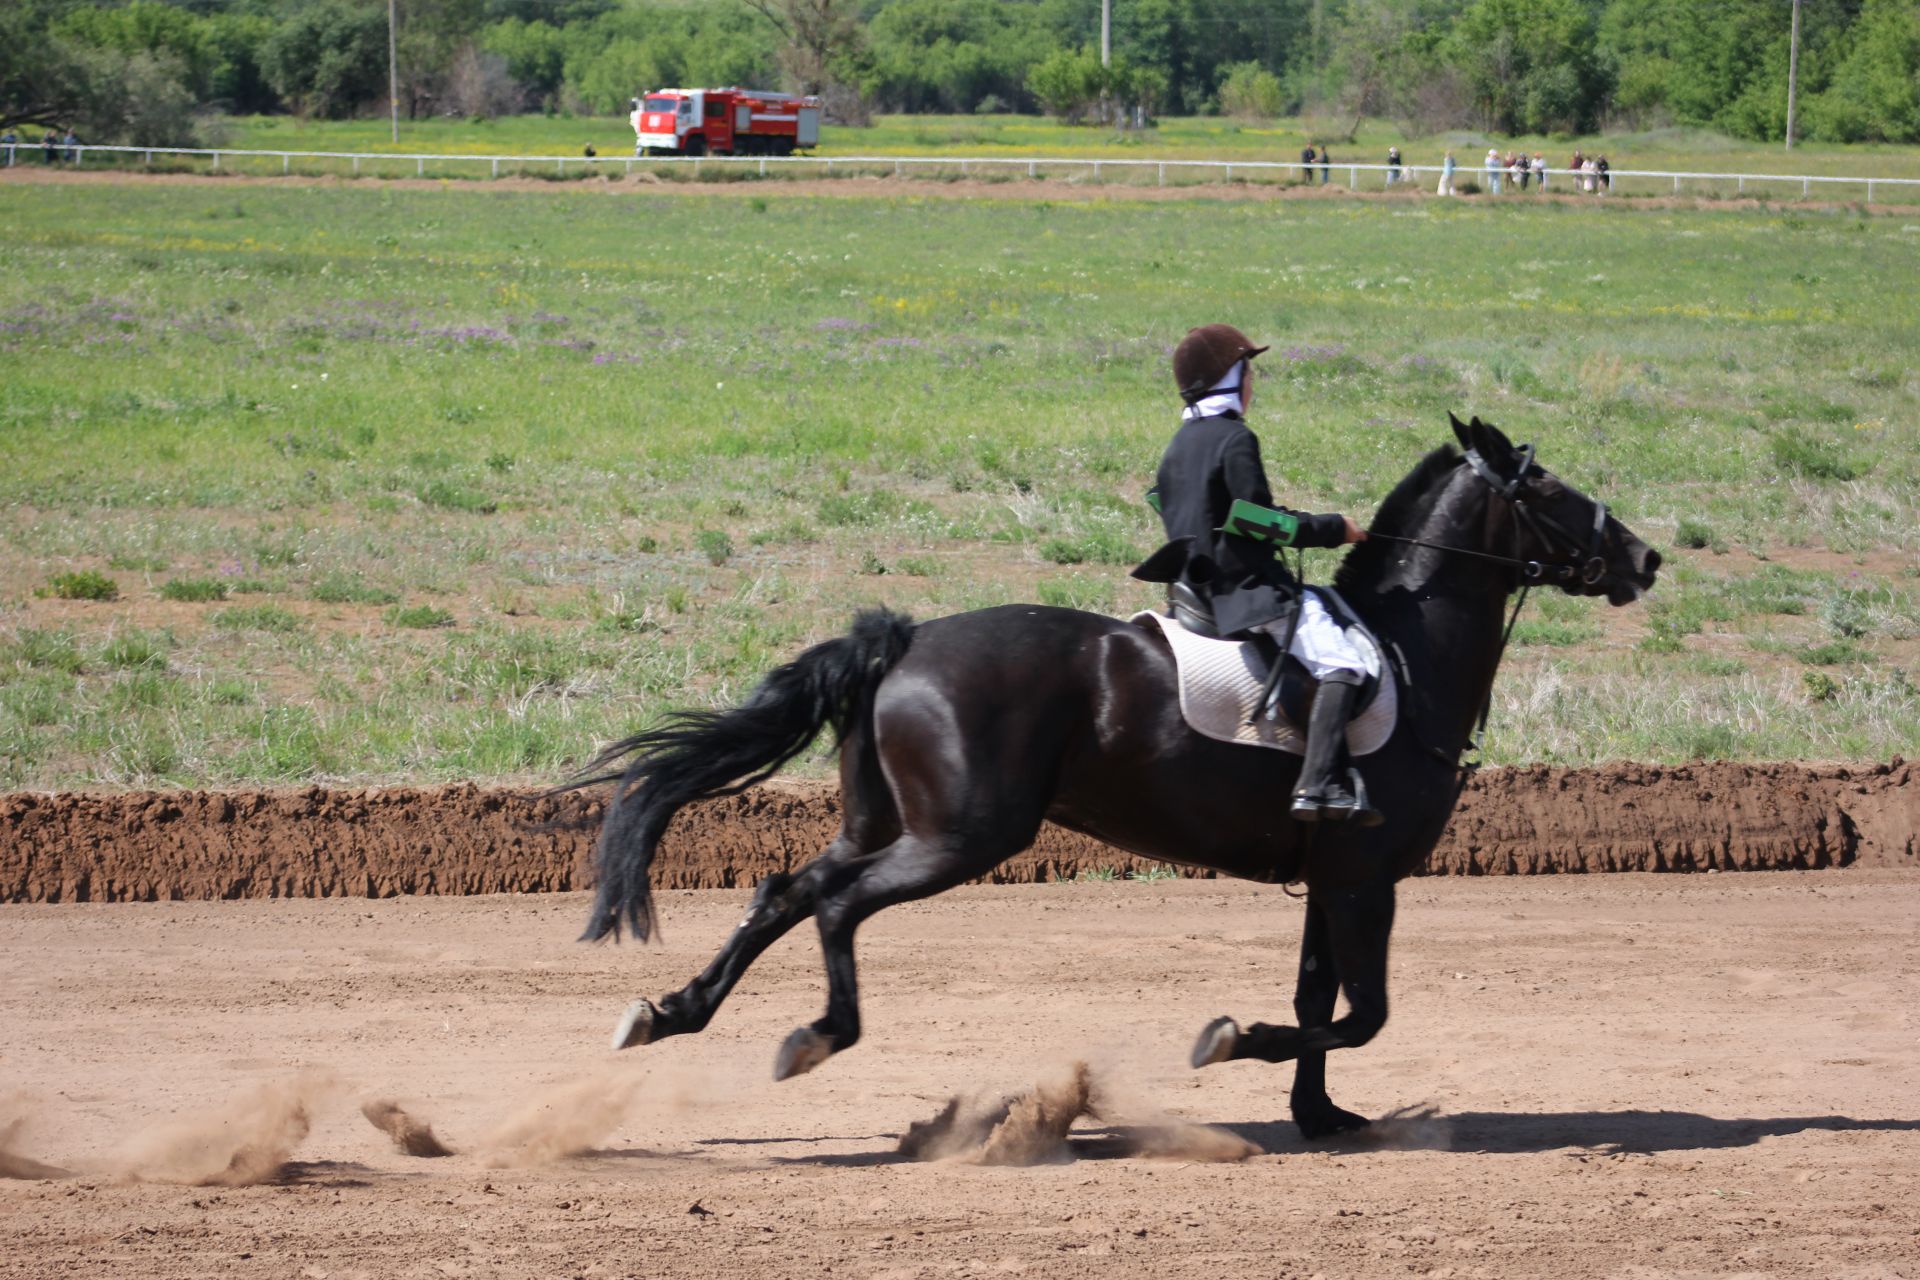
(780, 902)
(910, 868)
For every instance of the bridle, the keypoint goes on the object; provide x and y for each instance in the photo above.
(1567, 555)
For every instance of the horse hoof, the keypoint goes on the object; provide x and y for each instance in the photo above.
(1328, 1121)
(1216, 1042)
(635, 1027)
(804, 1050)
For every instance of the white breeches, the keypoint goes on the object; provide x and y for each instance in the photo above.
(1320, 642)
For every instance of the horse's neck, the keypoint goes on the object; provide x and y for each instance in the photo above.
(1445, 611)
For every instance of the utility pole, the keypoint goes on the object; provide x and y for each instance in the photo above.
(392, 64)
(1793, 70)
(1106, 32)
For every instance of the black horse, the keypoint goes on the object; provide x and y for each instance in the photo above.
(959, 736)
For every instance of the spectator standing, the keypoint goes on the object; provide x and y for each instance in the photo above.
(1306, 163)
(1324, 158)
(50, 145)
(1393, 165)
(1540, 171)
(1447, 167)
(69, 143)
(10, 140)
(1493, 171)
(1605, 171)
(1523, 165)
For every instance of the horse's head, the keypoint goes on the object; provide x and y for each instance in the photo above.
(1564, 538)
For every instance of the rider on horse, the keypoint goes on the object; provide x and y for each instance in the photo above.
(1213, 461)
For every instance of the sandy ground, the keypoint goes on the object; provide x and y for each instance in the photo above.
(1628, 1075)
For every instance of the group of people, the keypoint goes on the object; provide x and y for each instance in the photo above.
(52, 146)
(1514, 170)
(1309, 157)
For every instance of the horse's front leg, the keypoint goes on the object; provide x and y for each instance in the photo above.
(1314, 994)
(1344, 948)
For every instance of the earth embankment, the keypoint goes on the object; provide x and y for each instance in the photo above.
(321, 842)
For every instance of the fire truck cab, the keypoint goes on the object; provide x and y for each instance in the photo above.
(723, 122)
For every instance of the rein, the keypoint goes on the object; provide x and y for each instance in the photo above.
(1566, 560)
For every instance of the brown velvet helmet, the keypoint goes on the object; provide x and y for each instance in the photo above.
(1206, 355)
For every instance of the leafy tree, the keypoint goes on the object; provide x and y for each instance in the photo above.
(824, 48)
(1068, 83)
(329, 58)
(147, 26)
(1875, 90)
(535, 52)
(1530, 63)
(1250, 92)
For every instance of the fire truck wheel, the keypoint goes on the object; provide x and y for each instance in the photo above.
(696, 147)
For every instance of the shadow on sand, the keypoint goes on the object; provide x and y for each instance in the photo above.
(1521, 1133)
(1487, 1132)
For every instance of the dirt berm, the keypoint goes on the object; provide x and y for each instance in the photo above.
(143, 846)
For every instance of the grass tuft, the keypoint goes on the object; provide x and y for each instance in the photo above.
(83, 584)
(194, 590)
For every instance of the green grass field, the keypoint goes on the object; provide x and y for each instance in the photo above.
(1193, 138)
(372, 484)
(1011, 147)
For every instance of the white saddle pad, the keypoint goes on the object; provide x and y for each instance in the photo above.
(1220, 684)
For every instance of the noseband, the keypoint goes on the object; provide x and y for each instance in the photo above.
(1566, 555)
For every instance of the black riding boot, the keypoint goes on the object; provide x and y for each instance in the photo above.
(1323, 793)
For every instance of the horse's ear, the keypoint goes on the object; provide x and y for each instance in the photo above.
(1493, 441)
(1460, 430)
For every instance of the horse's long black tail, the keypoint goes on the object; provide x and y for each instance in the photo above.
(697, 754)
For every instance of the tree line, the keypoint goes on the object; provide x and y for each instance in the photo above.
(147, 71)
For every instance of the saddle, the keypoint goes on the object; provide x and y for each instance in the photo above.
(1221, 681)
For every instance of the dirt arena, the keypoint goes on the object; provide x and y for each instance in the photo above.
(1621, 1075)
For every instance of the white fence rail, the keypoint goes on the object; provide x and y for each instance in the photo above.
(1098, 170)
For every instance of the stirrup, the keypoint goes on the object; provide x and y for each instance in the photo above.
(1334, 803)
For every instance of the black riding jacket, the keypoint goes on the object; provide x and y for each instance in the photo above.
(1211, 462)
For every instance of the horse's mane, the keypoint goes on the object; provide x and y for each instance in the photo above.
(1400, 514)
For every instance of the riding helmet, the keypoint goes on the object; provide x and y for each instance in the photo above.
(1206, 355)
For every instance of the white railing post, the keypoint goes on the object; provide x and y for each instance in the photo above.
(1096, 171)
(1676, 184)
(1163, 173)
(1353, 178)
(216, 162)
(496, 166)
(419, 166)
(286, 164)
(1869, 190)
(1806, 187)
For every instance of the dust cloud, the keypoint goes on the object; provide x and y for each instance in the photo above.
(1031, 1128)
(245, 1143)
(567, 1119)
(17, 1114)
(411, 1135)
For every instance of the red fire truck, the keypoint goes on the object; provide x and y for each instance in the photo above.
(723, 122)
